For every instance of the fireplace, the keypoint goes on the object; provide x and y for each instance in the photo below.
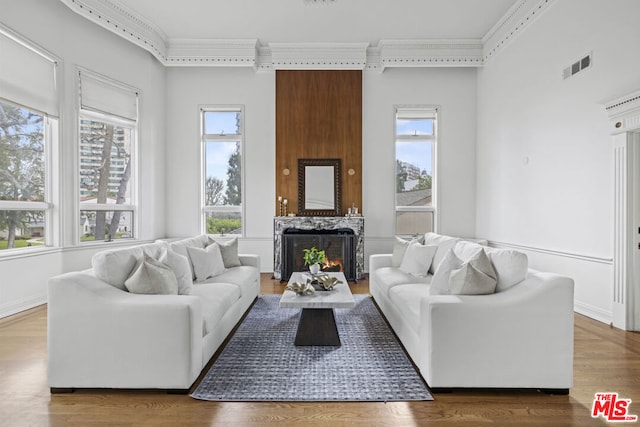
(318, 225)
(339, 246)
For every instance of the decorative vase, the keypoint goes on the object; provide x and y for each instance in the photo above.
(314, 268)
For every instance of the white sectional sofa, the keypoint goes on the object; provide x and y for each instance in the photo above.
(520, 336)
(100, 335)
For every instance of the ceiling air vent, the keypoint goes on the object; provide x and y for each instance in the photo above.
(577, 66)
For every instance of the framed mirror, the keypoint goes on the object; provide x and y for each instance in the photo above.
(319, 187)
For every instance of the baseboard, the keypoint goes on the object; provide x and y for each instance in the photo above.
(595, 313)
(22, 305)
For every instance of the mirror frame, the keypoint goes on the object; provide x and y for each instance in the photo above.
(337, 187)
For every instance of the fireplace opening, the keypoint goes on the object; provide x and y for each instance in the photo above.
(339, 246)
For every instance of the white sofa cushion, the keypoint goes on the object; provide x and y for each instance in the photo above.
(444, 243)
(417, 259)
(242, 276)
(475, 277)
(151, 277)
(180, 266)
(206, 262)
(389, 277)
(115, 265)
(216, 299)
(511, 266)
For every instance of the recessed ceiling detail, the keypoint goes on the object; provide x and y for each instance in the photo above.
(265, 56)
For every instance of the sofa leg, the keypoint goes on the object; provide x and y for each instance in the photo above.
(178, 391)
(440, 390)
(558, 391)
(60, 390)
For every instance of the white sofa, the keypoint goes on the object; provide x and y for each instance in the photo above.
(102, 336)
(521, 336)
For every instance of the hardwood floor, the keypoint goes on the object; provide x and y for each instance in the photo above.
(606, 359)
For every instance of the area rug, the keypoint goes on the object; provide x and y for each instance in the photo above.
(261, 363)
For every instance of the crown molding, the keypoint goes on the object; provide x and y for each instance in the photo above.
(513, 23)
(624, 113)
(212, 52)
(123, 22)
(318, 56)
(430, 53)
(115, 17)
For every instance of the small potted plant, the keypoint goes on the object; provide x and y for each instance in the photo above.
(313, 258)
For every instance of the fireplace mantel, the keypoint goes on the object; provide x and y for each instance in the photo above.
(281, 223)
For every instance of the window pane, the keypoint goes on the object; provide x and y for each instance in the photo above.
(223, 183)
(20, 229)
(410, 223)
(105, 162)
(222, 122)
(414, 173)
(414, 127)
(22, 157)
(224, 223)
(114, 224)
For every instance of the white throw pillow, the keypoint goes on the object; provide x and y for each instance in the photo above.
(444, 243)
(181, 268)
(417, 259)
(475, 277)
(511, 267)
(440, 281)
(229, 251)
(206, 262)
(152, 277)
(399, 249)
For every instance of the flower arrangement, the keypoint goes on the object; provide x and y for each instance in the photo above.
(313, 256)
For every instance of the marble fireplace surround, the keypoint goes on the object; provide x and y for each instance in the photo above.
(281, 223)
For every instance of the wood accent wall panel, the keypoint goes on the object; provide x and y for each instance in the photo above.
(319, 116)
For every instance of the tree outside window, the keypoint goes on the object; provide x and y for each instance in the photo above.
(22, 177)
(105, 174)
(222, 182)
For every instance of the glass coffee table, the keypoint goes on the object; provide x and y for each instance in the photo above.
(317, 325)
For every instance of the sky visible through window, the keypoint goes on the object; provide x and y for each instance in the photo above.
(218, 153)
(415, 152)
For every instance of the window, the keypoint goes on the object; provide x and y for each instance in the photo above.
(107, 163)
(222, 141)
(415, 131)
(28, 131)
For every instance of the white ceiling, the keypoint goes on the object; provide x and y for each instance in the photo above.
(304, 21)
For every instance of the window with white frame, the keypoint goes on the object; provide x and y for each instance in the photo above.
(415, 134)
(106, 159)
(28, 131)
(222, 182)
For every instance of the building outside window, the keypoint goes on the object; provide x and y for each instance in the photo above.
(222, 181)
(107, 163)
(415, 133)
(28, 132)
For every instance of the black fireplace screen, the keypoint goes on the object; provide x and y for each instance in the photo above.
(339, 246)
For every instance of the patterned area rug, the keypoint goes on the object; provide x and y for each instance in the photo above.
(260, 362)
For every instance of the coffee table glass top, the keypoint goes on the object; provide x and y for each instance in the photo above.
(339, 297)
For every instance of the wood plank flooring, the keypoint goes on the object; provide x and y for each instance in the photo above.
(606, 359)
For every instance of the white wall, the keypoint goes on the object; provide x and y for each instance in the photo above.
(76, 41)
(544, 155)
(454, 91)
(189, 88)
